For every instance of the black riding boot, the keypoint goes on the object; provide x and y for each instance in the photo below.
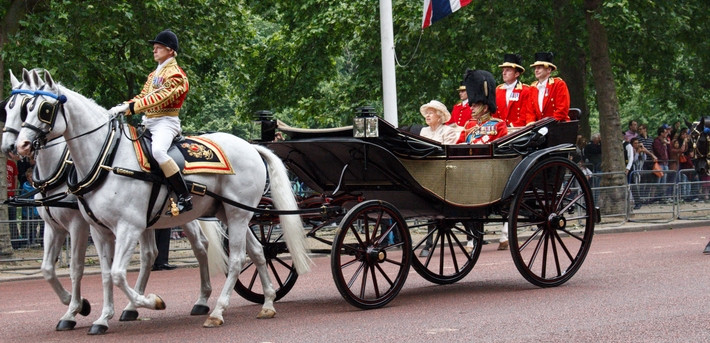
(184, 202)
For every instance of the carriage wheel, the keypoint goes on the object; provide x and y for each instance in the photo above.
(452, 252)
(371, 254)
(282, 273)
(551, 222)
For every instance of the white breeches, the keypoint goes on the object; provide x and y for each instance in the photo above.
(164, 130)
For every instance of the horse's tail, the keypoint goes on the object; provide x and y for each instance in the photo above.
(284, 199)
(216, 256)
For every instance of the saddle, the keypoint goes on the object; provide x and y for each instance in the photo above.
(193, 154)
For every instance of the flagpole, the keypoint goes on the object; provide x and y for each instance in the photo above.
(389, 84)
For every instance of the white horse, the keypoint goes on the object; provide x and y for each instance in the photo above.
(60, 221)
(120, 202)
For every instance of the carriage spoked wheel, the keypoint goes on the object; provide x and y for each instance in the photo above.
(551, 222)
(452, 251)
(371, 254)
(281, 271)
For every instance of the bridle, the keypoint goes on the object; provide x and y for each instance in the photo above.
(47, 114)
(12, 102)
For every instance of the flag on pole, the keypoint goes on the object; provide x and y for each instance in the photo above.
(435, 10)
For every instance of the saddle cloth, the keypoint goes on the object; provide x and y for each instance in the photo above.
(193, 154)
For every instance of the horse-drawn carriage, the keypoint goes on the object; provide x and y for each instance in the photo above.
(392, 193)
(380, 187)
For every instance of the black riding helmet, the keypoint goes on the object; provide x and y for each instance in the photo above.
(167, 38)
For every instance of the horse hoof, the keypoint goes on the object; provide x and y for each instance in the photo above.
(199, 310)
(159, 303)
(266, 314)
(128, 316)
(66, 325)
(85, 308)
(97, 329)
(212, 322)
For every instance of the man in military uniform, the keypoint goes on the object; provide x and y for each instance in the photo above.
(512, 95)
(461, 112)
(482, 128)
(549, 96)
(161, 99)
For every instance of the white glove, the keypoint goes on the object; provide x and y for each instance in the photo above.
(121, 108)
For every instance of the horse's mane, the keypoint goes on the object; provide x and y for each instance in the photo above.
(90, 103)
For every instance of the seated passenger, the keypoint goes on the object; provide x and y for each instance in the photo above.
(481, 128)
(436, 114)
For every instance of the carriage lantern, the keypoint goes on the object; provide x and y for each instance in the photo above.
(268, 125)
(365, 123)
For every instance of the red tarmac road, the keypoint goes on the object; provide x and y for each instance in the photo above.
(633, 287)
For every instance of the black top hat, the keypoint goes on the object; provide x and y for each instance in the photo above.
(481, 88)
(544, 59)
(513, 61)
(167, 38)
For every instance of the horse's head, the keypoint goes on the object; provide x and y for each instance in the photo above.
(699, 132)
(14, 108)
(41, 117)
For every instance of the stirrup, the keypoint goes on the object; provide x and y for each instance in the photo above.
(183, 205)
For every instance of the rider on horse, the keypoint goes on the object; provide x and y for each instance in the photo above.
(161, 99)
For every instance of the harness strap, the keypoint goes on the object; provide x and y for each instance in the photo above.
(323, 210)
(90, 212)
(99, 171)
(201, 190)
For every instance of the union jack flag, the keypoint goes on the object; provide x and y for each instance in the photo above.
(435, 10)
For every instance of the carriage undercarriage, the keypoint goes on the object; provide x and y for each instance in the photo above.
(389, 209)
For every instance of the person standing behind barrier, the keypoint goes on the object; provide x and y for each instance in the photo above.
(676, 148)
(12, 210)
(661, 150)
(682, 146)
(593, 152)
(637, 161)
(30, 216)
(512, 96)
(549, 96)
(632, 131)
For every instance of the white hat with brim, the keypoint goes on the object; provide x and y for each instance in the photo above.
(436, 106)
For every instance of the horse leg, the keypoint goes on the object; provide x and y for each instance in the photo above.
(54, 240)
(149, 252)
(126, 239)
(199, 245)
(256, 253)
(104, 241)
(237, 223)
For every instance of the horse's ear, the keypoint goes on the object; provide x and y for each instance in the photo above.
(688, 124)
(13, 80)
(48, 79)
(26, 76)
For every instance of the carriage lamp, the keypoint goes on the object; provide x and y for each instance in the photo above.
(365, 123)
(268, 125)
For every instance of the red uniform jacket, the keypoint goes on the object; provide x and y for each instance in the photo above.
(555, 101)
(517, 110)
(482, 133)
(460, 114)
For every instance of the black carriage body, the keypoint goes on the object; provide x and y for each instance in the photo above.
(379, 182)
(420, 177)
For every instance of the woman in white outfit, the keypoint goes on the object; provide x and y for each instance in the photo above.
(436, 114)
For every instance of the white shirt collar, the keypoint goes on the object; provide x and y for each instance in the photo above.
(543, 83)
(160, 66)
